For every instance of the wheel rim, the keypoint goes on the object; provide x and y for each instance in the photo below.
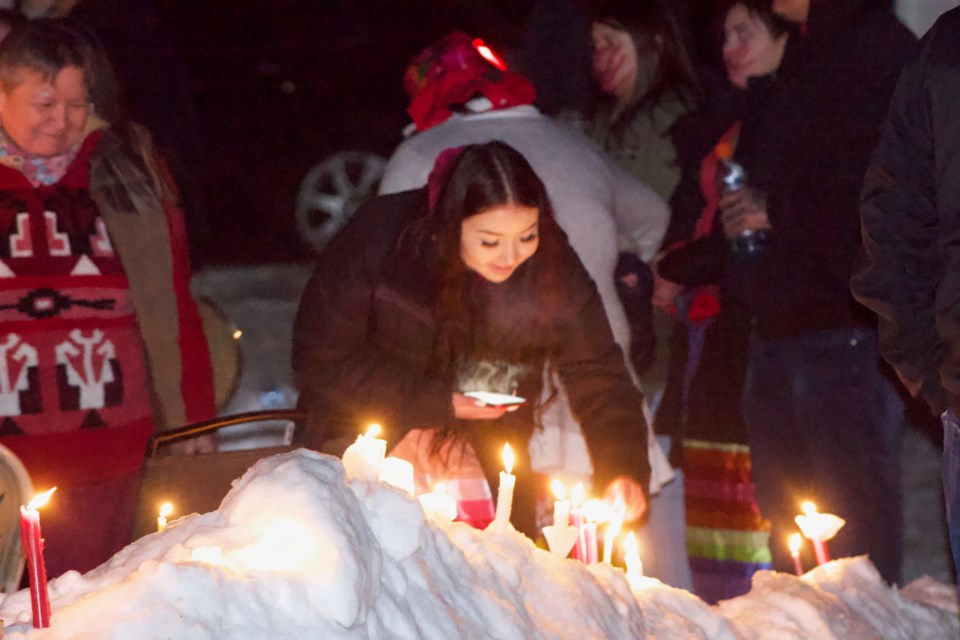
(332, 190)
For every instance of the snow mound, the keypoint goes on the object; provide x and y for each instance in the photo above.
(295, 551)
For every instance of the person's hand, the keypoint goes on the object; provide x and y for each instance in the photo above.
(664, 291)
(466, 408)
(743, 210)
(206, 443)
(627, 493)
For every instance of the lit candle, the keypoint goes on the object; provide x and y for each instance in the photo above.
(631, 556)
(32, 541)
(165, 510)
(398, 473)
(577, 520)
(505, 492)
(610, 534)
(795, 542)
(562, 507)
(818, 528)
(364, 458)
(439, 505)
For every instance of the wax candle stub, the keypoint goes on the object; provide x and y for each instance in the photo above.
(363, 460)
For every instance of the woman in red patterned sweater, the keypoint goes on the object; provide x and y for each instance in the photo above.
(100, 341)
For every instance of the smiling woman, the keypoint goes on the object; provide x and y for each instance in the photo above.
(427, 292)
(95, 311)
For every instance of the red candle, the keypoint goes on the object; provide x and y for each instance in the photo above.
(795, 543)
(32, 541)
(820, 549)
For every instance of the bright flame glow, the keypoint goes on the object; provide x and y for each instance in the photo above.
(286, 545)
(440, 488)
(596, 510)
(559, 491)
(237, 334)
(796, 541)
(808, 508)
(508, 458)
(576, 496)
(631, 555)
(487, 54)
(610, 534)
(373, 430)
(166, 509)
(41, 499)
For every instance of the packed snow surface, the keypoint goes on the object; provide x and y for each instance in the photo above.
(296, 551)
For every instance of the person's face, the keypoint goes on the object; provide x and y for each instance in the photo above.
(614, 60)
(792, 10)
(749, 49)
(46, 118)
(497, 241)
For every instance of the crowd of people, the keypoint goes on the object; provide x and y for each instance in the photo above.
(661, 278)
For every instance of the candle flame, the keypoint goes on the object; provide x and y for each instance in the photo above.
(508, 458)
(373, 430)
(559, 491)
(576, 496)
(631, 555)
(440, 488)
(614, 524)
(808, 508)
(41, 499)
(166, 509)
(795, 542)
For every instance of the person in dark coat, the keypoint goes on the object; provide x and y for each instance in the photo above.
(910, 210)
(823, 421)
(727, 539)
(423, 289)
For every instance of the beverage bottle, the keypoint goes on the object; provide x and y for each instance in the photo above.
(731, 177)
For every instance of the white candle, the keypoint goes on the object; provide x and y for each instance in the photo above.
(561, 508)
(439, 505)
(631, 556)
(505, 492)
(165, 510)
(610, 535)
(398, 473)
(364, 458)
(818, 528)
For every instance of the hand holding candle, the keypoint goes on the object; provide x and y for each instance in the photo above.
(32, 540)
(819, 528)
(505, 491)
(364, 458)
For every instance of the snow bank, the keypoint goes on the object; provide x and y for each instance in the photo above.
(294, 551)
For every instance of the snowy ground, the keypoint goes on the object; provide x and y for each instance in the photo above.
(261, 300)
(295, 551)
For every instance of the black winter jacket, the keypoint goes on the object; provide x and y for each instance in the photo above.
(806, 141)
(364, 334)
(910, 269)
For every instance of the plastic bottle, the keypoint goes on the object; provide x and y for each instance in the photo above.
(731, 177)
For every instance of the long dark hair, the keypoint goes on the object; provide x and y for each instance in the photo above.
(512, 321)
(650, 23)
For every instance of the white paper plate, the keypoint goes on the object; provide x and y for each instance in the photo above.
(495, 399)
